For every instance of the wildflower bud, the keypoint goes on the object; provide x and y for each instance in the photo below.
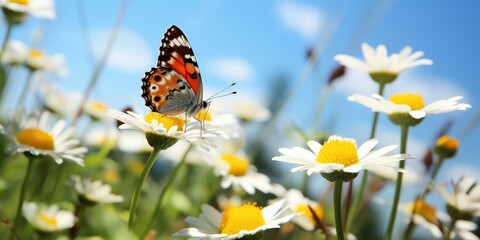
(336, 73)
(310, 53)
(376, 185)
(428, 159)
(446, 146)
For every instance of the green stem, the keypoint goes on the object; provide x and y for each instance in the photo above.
(5, 40)
(398, 185)
(410, 228)
(434, 175)
(337, 205)
(138, 188)
(22, 196)
(23, 95)
(164, 190)
(359, 193)
(3, 74)
(451, 226)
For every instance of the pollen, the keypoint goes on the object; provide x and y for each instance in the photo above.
(238, 165)
(21, 2)
(246, 217)
(48, 220)
(167, 121)
(36, 138)
(303, 208)
(339, 150)
(423, 209)
(34, 53)
(414, 101)
(203, 115)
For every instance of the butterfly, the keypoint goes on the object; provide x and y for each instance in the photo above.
(174, 86)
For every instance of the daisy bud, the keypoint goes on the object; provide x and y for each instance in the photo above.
(336, 73)
(428, 159)
(446, 146)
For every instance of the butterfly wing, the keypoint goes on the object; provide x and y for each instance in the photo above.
(177, 54)
(167, 92)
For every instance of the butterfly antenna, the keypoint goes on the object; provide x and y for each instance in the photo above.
(216, 95)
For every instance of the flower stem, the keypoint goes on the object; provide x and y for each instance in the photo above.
(410, 228)
(398, 185)
(359, 193)
(164, 190)
(5, 40)
(337, 205)
(451, 226)
(138, 188)
(3, 74)
(22, 196)
(434, 174)
(23, 95)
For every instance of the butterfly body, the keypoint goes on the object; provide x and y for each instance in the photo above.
(174, 86)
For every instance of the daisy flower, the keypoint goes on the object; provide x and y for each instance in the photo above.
(96, 110)
(237, 172)
(297, 203)
(249, 111)
(37, 8)
(47, 219)
(13, 53)
(55, 99)
(464, 202)
(162, 130)
(408, 108)
(214, 119)
(37, 60)
(339, 158)
(94, 192)
(426, 216)
(381, 67)
(235, 222)
(31, 135)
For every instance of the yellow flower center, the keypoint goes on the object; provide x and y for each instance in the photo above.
(203, 115)
(34, 53)
(415, 101)
(339, 150)
(21, 2)
(448, 143)
(307, 213)
(48, 220)
(238, 166)
(423, 209)
(168, 121)
(246, 217)
(98, 106)
(36, 138)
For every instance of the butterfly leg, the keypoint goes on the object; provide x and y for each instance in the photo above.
(202, 126)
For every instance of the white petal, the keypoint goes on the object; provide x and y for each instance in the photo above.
(366, 147)
(418, 114)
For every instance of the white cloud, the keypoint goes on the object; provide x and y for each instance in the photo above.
(306, 20)
(231, 68)
(130, 52)
(430, 86)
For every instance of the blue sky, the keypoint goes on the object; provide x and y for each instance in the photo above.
(266, 39)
